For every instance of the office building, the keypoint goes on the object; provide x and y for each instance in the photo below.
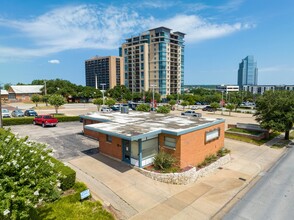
(227, 88)
(260, 89)
(248, 72)
(154, 59)
(106, 70)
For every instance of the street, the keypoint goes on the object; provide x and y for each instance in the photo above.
(272, 197)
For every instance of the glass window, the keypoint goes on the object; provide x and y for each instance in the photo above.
(170, 142)
(212, 135)
(149, 147)
(134, 149)
(108, 138)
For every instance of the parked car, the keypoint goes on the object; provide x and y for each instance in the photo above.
(5, 113)
(45, 120)
(192, 113)
(30, 112)
(194, 107)
(17, 113)
(106, 109)
(208, 108)
(114, 108)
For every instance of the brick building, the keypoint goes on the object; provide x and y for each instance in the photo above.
(23, 93)
(137, 137)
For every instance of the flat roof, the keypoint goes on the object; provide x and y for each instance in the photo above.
(139, 125)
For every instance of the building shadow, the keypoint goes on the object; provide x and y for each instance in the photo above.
(117, 165)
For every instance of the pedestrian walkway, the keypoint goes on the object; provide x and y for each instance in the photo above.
(135, 196)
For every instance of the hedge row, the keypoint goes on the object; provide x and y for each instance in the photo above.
(29, 120)
(68, 175)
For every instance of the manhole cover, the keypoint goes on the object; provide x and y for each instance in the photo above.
(240, 178)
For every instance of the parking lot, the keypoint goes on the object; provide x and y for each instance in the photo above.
(66, 140)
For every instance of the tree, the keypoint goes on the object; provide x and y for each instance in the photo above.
(275, 110)
(184, 104)
(27, 176)
(56, 101)
(230, 107)
(215, 106)
(98, 102)
(110, 102)
(143, 108)
(7, 86)
(120, 92)
(45, 98)
(172, 103)
(163, 109)
(36, 98)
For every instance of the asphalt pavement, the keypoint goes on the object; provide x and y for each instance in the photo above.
(272, 197)
(66, 139)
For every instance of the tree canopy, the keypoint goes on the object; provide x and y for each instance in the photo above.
(275, 110)
(56, 101)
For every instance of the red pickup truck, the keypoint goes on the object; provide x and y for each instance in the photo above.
(45, 120)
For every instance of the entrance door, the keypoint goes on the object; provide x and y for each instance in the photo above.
(126, 151)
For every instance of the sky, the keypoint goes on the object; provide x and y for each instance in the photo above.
(52, 39)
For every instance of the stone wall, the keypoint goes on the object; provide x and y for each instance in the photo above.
(186, 177)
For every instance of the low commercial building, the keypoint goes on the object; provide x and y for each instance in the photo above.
(23, 93)
(227, 88)
(260, 89)
(137, 137)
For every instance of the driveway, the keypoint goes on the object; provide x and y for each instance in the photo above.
(66, 139)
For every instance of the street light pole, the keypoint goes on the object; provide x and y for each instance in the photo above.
(222, 102)
(103, 84)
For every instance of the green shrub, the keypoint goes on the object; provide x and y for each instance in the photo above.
(143, 108)
(163, 161)
(67, 175)
(29, 120)
(17, 121)
(163, 109)
(222, 152)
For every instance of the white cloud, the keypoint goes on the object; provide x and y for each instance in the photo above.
(199, 29)
(157, 4)
(100, 27)
(54, 61)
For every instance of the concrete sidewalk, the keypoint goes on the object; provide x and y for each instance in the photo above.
(135, 196)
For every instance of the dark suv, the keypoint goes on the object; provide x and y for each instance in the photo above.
(208, 108)
(30, 112)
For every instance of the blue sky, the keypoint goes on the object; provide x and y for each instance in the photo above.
(52, 39)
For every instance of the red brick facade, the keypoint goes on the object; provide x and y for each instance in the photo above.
(113, 148)
(191, 148)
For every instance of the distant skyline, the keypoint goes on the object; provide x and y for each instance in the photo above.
(52, 39)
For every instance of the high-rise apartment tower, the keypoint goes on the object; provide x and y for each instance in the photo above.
(104, 72)
(248, 72)
(154, 59)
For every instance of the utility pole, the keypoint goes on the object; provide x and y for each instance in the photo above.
(96, 82)
(45, 87)
(103, 84)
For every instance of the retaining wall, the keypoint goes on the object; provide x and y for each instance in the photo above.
(186, 177)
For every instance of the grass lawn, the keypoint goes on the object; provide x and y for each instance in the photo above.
(251, 141)
(69, 207)
(240, 130)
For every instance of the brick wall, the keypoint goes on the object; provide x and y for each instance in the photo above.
(113, 149)
(191, 148)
